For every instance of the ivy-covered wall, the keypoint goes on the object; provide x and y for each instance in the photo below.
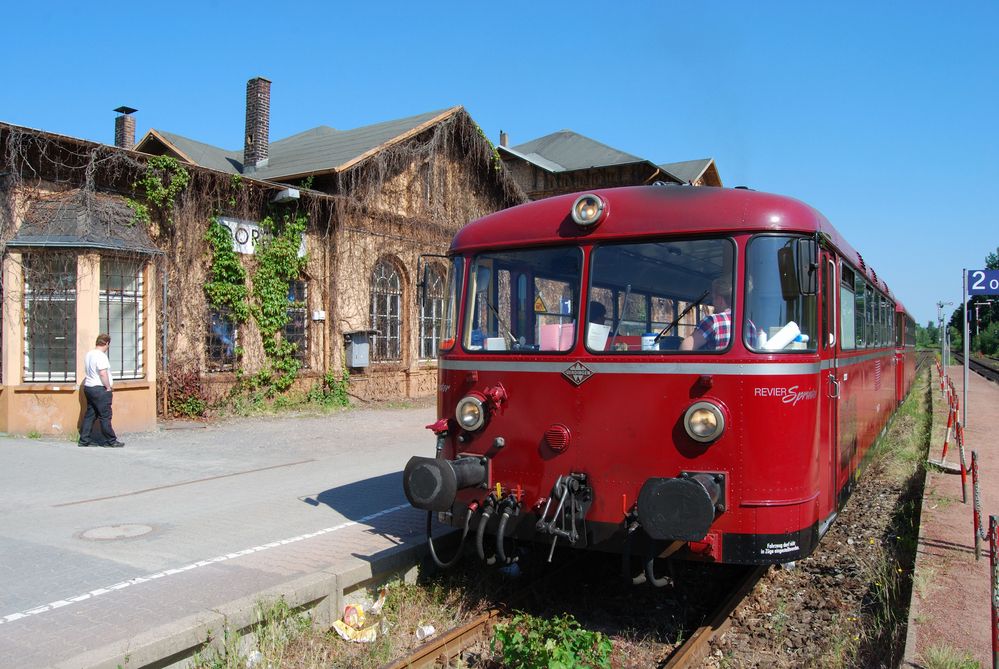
(405, 201)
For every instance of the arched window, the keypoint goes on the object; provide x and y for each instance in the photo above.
(386, 312)
(431, 312)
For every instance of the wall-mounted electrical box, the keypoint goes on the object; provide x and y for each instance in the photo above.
(358, 347)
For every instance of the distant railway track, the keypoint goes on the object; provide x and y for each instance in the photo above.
(443, 650)
(989, 370)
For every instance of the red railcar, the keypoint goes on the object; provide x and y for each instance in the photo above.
(695, 372)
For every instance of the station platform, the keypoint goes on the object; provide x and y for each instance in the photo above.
(134, 557)
(949, 613)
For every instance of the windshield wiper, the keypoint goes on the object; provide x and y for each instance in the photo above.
(620, 317)
(679, 318)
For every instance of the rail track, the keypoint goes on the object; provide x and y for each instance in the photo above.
(442, 651)
(989, 370)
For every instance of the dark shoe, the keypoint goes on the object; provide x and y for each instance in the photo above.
(113, 444)
(81, 444)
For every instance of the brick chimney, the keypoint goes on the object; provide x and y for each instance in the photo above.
(258, 124)
(504, 139)
(124, 128)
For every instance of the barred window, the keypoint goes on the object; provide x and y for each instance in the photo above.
(296, 330)
(50, 317)
(121, 314)
(431, 313)
(221, 341)
(386, 312)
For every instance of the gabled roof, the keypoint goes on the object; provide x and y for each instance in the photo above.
(195, 152)
(688, 170)
(565, 150)
(319, 150)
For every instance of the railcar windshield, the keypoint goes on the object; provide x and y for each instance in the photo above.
(660, 296)
(523, 300)
(448, 325)
(780, 315)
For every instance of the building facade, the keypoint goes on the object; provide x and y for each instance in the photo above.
(99, 238)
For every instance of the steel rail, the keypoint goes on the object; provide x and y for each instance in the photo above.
(984, 370)
(442, 650)
(697, 646)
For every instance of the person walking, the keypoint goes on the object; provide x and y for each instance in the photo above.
(97, 387)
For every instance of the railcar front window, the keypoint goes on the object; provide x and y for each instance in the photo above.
(455, 275)
(661, 296)
(778, 316)
(523, 301)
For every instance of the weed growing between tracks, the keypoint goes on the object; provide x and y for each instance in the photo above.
(847, 604)
(286, 639)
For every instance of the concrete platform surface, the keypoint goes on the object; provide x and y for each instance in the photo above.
(950, 606)
(113, 556)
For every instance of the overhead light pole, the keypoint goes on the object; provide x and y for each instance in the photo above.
(942, 332)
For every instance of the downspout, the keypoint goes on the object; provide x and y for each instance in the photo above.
(165, 389)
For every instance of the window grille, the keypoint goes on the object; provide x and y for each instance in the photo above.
(121, 314)
(296, 330)
(431, 313)
(221, 341)
(386, 312)
(49, 317)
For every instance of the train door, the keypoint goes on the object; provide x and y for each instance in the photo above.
(828, 413)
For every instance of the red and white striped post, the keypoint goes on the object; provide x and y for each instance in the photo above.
(950, 424)
(959, 435)
(994, 543)
(978, 506)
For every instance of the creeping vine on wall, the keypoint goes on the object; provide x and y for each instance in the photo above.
(164, 179)
(278, 265)
(226, 288)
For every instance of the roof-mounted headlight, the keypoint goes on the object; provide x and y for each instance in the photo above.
(704, 421)
(470, 413)
(587, 210)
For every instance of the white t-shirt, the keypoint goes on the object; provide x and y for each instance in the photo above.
(95, 361)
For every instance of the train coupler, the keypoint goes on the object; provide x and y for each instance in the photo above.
(573, 497)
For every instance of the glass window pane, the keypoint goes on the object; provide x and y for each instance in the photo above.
(778, 316)
(655, 294)
(546, 285)
(386, 301)
(50, 316)
(121, 314)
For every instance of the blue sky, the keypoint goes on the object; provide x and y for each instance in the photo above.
(881, 115)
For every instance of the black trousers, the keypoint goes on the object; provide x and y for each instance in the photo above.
(98, 407)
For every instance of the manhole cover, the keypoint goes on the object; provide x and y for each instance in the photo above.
(111, 532)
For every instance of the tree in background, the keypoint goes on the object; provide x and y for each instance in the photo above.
(929, 336)
(992, 260)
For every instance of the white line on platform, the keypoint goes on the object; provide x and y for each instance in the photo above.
(9, 618)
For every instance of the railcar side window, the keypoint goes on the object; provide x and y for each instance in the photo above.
(861, 312)
(661, 296)
(779, 317)
(848, 327)
(523, 301)
(870, 329)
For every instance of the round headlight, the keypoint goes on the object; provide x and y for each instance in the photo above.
(470, 413)
(704, 421)
(587, 210)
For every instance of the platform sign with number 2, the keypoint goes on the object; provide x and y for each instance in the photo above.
(983, 282)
